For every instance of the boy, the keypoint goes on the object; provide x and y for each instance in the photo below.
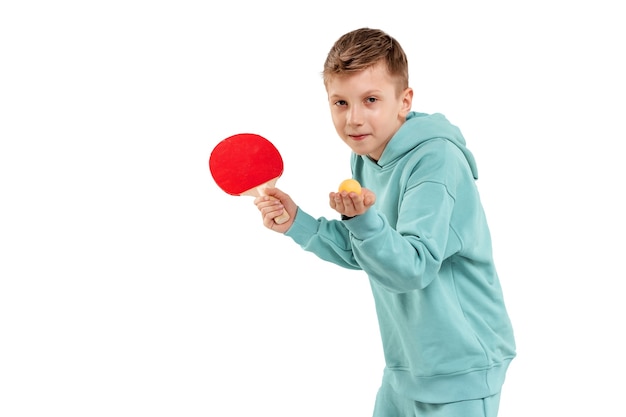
(425, 244)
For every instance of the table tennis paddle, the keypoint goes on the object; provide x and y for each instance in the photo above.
(245, 164)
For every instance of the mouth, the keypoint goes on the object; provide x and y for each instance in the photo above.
(358, 137)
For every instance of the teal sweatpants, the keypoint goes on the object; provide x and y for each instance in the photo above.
(390, 404)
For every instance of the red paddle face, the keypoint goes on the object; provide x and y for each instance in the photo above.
(243, 163)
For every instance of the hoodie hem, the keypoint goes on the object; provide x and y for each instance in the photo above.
(443, 389)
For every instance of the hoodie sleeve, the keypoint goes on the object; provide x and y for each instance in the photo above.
(328, 239)
(408, 257)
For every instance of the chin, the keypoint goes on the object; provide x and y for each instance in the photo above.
(358, 150)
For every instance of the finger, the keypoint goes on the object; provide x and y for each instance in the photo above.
(339, 202)
(272, 206)
(269, 216)
(264, 204)
(348, 200)
(357, 203)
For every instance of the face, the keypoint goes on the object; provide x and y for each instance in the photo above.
(367, 110)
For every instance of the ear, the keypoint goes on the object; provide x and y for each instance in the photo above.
(407, 102)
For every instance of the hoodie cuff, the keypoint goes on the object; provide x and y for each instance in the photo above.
(303, 227)
(365, 225)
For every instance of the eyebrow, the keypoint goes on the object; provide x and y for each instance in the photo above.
(367, 93)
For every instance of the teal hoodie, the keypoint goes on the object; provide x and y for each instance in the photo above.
(426, 248)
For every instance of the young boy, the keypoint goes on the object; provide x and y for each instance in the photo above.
(425, 244)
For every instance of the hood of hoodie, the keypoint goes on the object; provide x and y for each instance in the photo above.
(422, 127)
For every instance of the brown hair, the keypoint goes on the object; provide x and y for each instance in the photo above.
(363, 48)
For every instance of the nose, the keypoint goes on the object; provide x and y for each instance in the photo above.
(355, 116)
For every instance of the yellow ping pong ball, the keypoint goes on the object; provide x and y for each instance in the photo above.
(350, 185)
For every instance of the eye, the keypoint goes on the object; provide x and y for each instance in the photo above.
(371, 100)
(340, 103)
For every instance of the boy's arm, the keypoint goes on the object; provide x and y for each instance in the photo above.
(328, 239)
(410, 257)
(400, 260)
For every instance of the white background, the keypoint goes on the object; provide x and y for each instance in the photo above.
(130, 285)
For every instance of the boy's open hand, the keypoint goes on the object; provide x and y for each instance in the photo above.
(352, 204)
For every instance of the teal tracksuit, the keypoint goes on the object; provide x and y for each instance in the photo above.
(426, 248)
